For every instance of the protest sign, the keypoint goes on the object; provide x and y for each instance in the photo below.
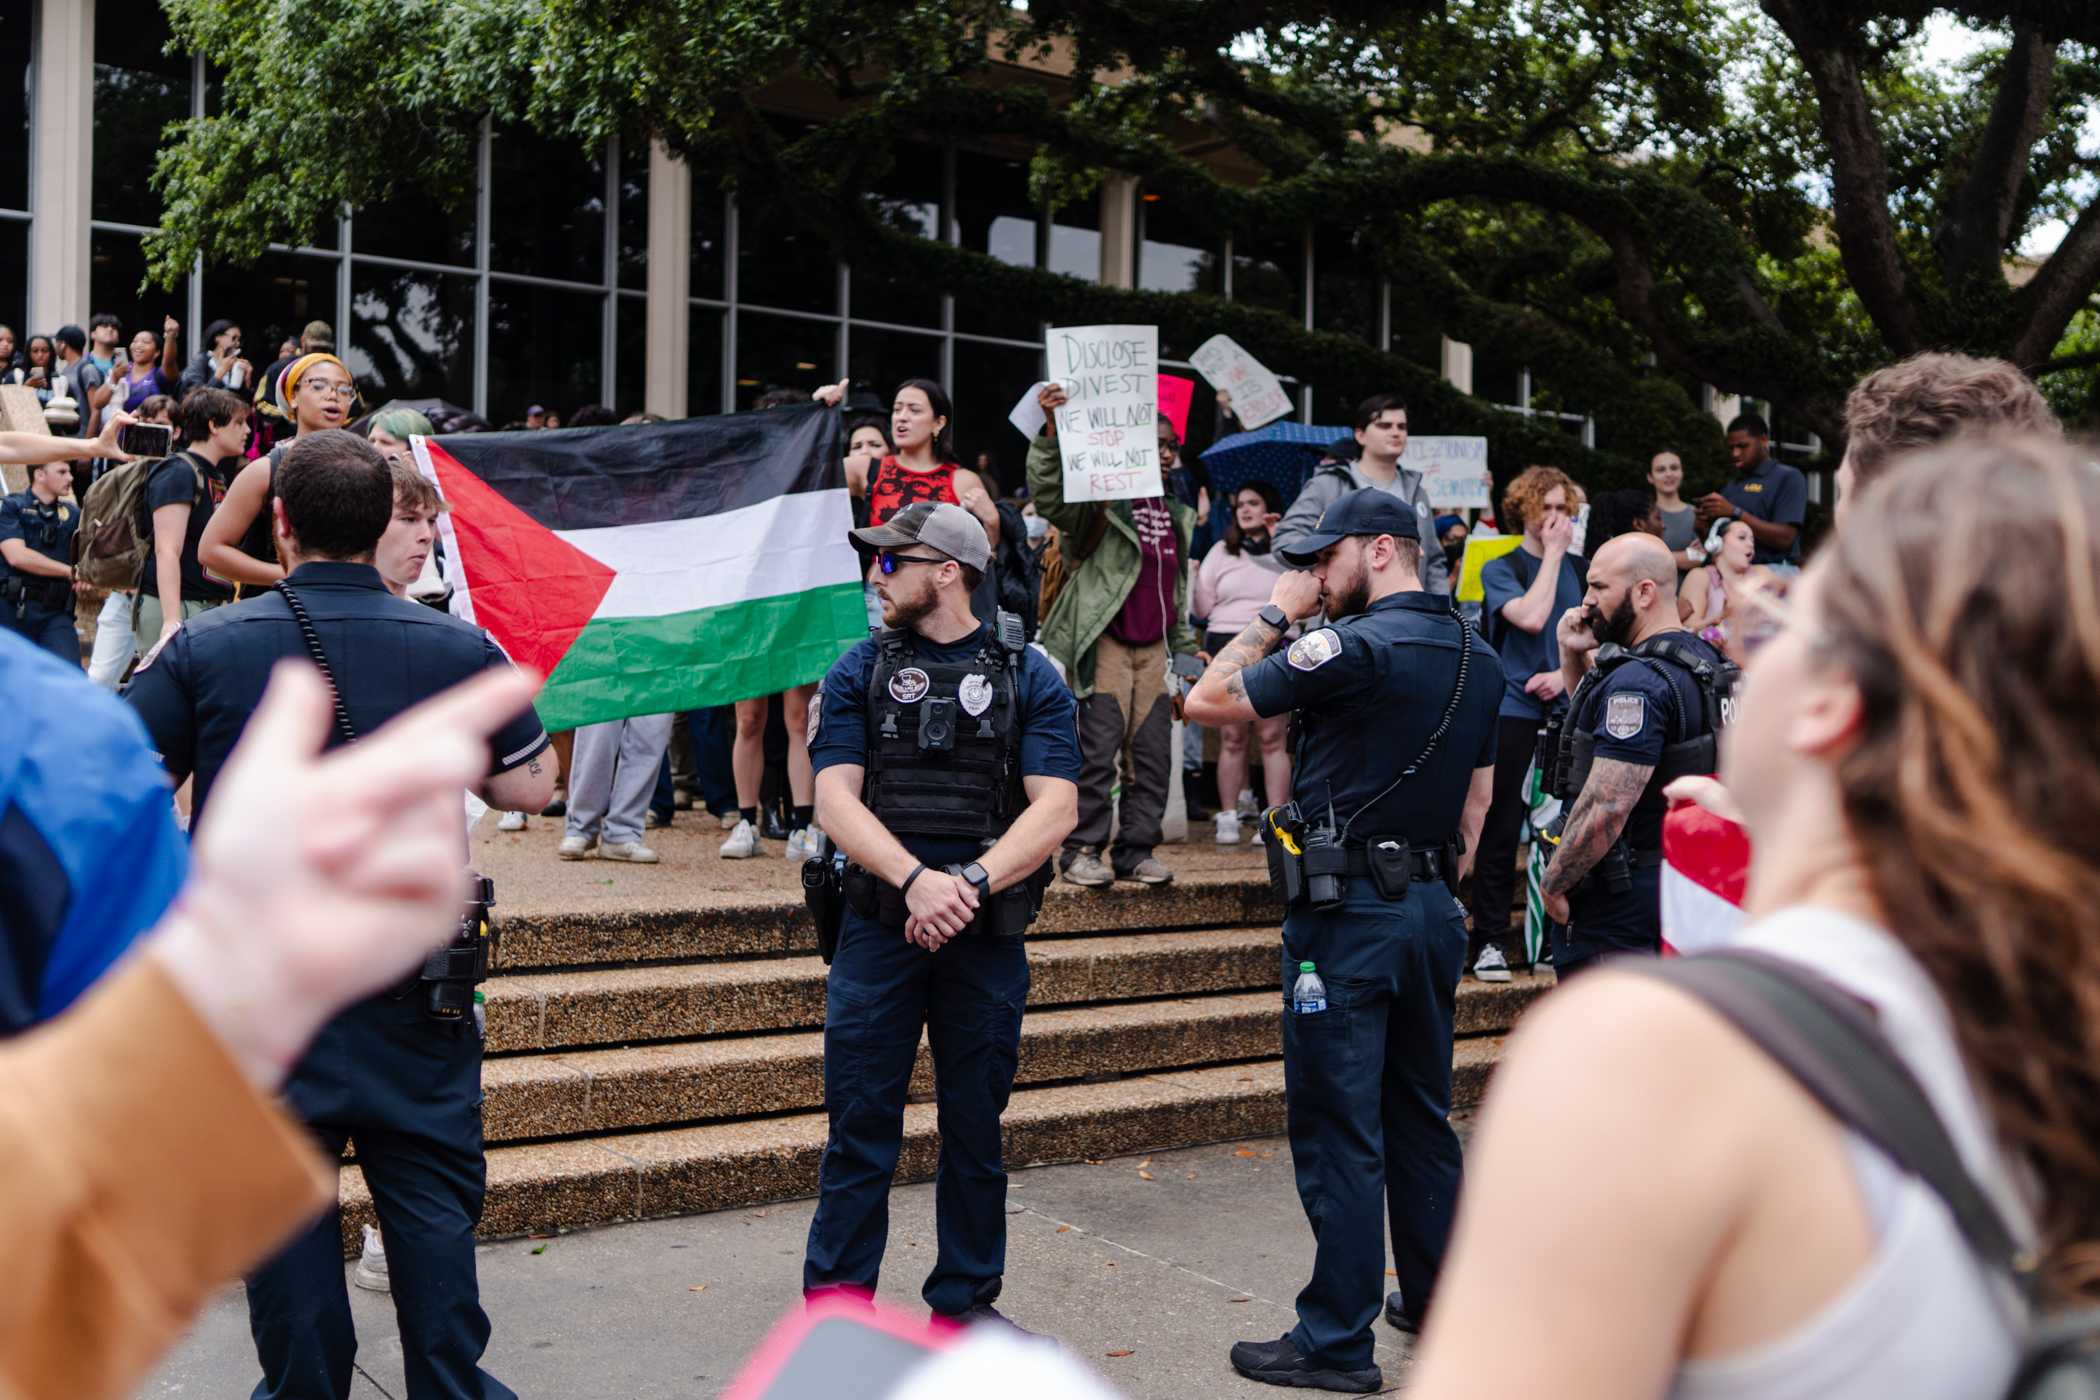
(1454, 471)
(1175, 393)
(1107, 427)
(1257, 397)
(1481, 550)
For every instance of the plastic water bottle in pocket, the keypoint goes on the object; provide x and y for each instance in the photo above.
(1309, 993)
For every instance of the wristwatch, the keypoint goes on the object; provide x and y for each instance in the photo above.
(1275, 617)
(975, 874)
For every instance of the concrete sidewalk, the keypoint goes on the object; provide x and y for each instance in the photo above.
(1146, 1268)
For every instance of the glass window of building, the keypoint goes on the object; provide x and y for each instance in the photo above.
(995, 216)
(882, 360)
(1176, 252)
(544, 347)
(16, 52)
(546, 208)
(908, 200)
(412, 334)
(630, 355)
(1075, 239)
(703, 375)
(710, 237)
(782, 352)
(414, 226)
(1345, 284)
(14, 290)
(634, 214)
(1496, 378)
(781, 262)
(988, 378)
(116, 267)
(270, 301)
(139, 89)
(1268, 269)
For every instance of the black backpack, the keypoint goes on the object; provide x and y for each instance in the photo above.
(1018, 571)
(1828, 1042)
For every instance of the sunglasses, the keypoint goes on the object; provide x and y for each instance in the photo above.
(888, 562)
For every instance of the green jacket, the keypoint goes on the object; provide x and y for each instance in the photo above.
(1096, 586)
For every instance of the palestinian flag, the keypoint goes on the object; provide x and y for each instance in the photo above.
(658, 567)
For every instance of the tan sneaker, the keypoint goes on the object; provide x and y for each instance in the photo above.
(1148, 872)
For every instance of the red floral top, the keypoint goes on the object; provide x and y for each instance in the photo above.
(891, 488)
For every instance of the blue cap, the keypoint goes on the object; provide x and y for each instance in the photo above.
(1445, 522)
(1365, 512)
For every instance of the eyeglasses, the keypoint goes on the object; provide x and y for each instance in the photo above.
(888, 562)
(345, 392)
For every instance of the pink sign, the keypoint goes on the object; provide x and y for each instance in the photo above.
(1174, 395)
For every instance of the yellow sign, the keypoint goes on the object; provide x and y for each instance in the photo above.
(1479, 553)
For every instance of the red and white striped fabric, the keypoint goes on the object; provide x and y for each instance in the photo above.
(1706, 860)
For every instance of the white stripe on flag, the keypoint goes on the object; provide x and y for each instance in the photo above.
(1694, 918)
(786, 545)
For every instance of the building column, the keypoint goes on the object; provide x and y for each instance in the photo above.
(1458, 364)
(667, 353)
(59, 196)
(1119, 231)
(1725, 406)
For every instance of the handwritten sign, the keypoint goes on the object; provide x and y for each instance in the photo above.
(1454, 471)
(1107, 429)
(1257, 397)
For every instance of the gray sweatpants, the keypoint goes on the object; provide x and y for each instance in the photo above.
(612, 775)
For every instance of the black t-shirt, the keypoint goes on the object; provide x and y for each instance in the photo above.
(176, 482)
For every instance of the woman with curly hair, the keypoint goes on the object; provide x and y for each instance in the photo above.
(1916, 760)
(1527, 590)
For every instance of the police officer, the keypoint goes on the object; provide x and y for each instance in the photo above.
(36, 560)
(1395, 702)
(400, 1072)
(1649, 699)
(947, 768)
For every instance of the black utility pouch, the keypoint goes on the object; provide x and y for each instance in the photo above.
(1286, 873)
(1388, 859)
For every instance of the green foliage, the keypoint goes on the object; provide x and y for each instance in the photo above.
(1627, 195)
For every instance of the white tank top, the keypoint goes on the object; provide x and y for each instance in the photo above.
(1924, 1320)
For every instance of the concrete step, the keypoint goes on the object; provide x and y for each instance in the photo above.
(601, 1091)
(541, 1188)
(759, 924)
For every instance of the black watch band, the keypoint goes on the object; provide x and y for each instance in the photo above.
(1274, 617)
(916, 872)
(976, 875)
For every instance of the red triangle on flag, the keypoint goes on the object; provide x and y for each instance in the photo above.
(532, 590)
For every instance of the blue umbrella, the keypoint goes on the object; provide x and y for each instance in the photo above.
(1282, 454)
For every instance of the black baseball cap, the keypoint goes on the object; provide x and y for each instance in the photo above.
(1365, 512)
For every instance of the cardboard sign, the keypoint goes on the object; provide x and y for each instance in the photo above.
(1454, 471)
(1175, 395)
(1107, 429)
(1257, 397)
(1481, 550)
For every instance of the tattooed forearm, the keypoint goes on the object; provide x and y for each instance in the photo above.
(1257, 640)
(1598, 817)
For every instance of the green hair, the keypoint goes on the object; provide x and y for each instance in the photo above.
(399, 423)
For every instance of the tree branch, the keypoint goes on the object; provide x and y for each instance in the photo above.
(1979, 223)
(1860, 187)
(2058, 291)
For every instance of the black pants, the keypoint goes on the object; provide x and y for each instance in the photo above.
(1494, 888)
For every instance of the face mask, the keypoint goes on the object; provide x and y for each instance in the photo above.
(1037, 527)
(1454, 552)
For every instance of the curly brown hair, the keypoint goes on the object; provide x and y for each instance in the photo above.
(1928, 398)
(1523, 497)
(1968, 615)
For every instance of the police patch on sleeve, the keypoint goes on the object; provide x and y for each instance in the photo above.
(816, 717)
(1314, 650)
(1625, 715)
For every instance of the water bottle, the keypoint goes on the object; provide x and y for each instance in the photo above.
(1309, 995)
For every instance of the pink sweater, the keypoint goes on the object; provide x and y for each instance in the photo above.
(1231, 588)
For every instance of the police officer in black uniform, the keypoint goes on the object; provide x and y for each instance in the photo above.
(400, 1073)
(947, 770)
(1648, 701)
(36, 561)
(1395, 702)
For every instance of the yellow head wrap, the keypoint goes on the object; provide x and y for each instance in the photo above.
(288, 382)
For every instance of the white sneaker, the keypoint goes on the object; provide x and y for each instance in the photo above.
(1247, 807)
(1491, 965)
(1228, 829)
(371, 1265)
(805, 843)
(742, 843)
(511, 821)
(632, 851)
(576, 847)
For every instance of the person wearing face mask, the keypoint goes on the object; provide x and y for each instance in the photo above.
(1232, 584)
(1649, 701)
(1451, 533)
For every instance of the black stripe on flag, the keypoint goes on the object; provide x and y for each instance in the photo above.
(590, 478)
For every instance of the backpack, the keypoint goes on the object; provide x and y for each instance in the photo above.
(114, 539)
(1832, 1047)
(1020, 575)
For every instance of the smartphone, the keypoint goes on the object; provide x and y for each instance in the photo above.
(146, 439)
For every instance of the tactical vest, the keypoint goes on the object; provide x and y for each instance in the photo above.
(1694, 740)
(944, 739)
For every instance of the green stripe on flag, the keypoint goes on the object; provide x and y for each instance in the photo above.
(621, 666)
